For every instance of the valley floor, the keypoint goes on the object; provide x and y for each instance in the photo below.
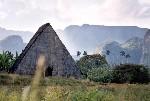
(17, 88)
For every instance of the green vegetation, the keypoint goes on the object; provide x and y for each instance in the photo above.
(61, 89)
(95, 68)
(131, 73)
(103, 75)
(7, 59)
(89, 62)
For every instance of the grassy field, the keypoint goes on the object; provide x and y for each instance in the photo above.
(17, 88)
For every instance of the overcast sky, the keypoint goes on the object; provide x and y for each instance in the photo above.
(30, 14)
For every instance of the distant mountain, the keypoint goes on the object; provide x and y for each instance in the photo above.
(12, 43)
(146, 49)
(114, 55)
(88, 37)
(133, 43)
(26, 35)
(132, 47)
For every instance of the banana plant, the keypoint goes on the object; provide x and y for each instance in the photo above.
(6, 60)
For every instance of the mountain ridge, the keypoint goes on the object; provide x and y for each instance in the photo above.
(87, 37)
(90, 37)
(132, 47)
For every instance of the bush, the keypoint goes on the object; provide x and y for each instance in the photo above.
(103, 75)
(88, 62)
(131, 73)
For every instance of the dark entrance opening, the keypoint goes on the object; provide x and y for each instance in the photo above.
(49, 71)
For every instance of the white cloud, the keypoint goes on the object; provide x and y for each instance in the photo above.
(145, 2)
(30, 14)
(125, 12)
(3, 15)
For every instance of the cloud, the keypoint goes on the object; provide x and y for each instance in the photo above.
(125, 12)
(122, 8)
(3, 15)
(30, 14)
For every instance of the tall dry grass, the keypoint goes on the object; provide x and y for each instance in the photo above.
(31, 93)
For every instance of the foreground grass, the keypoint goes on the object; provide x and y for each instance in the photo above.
(12, 88)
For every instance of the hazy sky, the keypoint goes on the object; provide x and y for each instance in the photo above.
(30, 14)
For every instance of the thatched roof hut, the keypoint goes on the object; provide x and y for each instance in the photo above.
(59, 62)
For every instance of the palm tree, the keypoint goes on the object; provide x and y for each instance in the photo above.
(78, 53)
(112, 59)
(85, 53)
(107, 52)
(127, 57)
(123, 54)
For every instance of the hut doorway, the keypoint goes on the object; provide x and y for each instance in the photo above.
(49, 71)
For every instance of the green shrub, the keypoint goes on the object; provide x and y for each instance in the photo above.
(88, 62)
(131, 73)
(103, 75)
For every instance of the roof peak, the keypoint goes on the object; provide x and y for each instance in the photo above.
(43, 27)
(46, 24)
